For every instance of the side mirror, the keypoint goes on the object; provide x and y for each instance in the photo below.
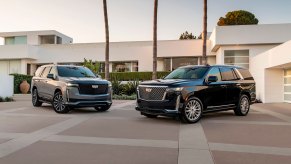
(212, 79)
(98, 76)
(51, 76)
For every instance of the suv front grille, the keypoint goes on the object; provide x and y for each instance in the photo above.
(152, 92)
(89, 90)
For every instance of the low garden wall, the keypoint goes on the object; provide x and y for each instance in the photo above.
(6, 85)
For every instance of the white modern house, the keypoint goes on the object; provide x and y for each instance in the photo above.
(261, 48)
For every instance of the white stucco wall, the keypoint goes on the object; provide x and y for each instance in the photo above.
(119, 51)
(268, 70)
(6, 85)
(250, 34)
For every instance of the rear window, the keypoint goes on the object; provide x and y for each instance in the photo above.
(246, 74)
(71, 71)
(227, 74)
(38, 71)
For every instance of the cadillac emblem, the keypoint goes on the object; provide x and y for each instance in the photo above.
(95, 86)
(148, 89)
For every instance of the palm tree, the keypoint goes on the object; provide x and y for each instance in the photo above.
(204, 35)
(107, 40)
(155, 40)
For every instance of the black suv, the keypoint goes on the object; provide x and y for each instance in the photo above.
(67, 86)
(190, 91)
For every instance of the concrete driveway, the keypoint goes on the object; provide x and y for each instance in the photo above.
(31, 135)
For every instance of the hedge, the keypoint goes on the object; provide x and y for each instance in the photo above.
(128, 76)
(18, 78)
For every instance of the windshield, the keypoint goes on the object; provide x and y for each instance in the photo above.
(188, 73)
(71, 71)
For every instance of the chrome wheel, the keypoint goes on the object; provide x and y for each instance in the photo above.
(244, 105)
(58, 102)
(193, 110)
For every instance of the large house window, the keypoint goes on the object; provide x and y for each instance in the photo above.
(287, 85)
(125, 67)
(47, 39)
(173, 63)
(237, 57)
(15, 40)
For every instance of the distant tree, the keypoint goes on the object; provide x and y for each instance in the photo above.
(187, 36)
(239, 17)
(93, 66)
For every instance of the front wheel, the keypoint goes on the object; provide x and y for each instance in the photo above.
(192, 111)
(243, 106)
(58, 103)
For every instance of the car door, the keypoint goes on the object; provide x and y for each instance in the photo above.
(43, 82)
(50, 84)
(215, 92)
(232, 82)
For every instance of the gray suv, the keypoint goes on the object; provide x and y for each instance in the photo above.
(67, 86)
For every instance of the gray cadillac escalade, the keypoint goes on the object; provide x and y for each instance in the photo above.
(67, 86)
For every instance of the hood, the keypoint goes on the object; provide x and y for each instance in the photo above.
(168, 82)
(83, 80)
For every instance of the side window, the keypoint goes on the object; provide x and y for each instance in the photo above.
(245, 74)
(46, 72)
(54, 71)
(38, 71)
(227, 74)
(214, 72)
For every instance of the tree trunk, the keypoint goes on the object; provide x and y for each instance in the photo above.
(107, 40)
(155, 40)
(204, 35)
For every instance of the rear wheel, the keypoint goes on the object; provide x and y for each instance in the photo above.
(58, 103)
(192, 111)
(149, 115)
(243, 106)
(35, 98)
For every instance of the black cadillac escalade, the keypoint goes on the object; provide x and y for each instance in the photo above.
(190, 91)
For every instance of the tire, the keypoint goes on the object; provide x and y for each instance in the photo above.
(192, 111)
(58, 103)
(243, 106)
(149, 115)
(35, 98)
(102, 108)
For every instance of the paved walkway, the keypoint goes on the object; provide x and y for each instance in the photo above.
(31, 135)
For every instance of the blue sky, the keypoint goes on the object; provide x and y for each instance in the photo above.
(130, 20)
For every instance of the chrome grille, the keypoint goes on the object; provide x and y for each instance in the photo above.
(152, 92)
(89, 90)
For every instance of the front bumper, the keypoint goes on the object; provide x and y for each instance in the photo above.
(74, 98)
(164, 107)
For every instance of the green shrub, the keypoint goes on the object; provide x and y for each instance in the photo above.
(18, 78)
(137, 76)
(124, 97)
(6, 99)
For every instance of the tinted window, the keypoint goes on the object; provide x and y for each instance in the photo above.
(188, 73)
(227, 74)
(214, 72)
(38, 71)
(246, 74)
(71, 71)
(46, 72)
(54, 71)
